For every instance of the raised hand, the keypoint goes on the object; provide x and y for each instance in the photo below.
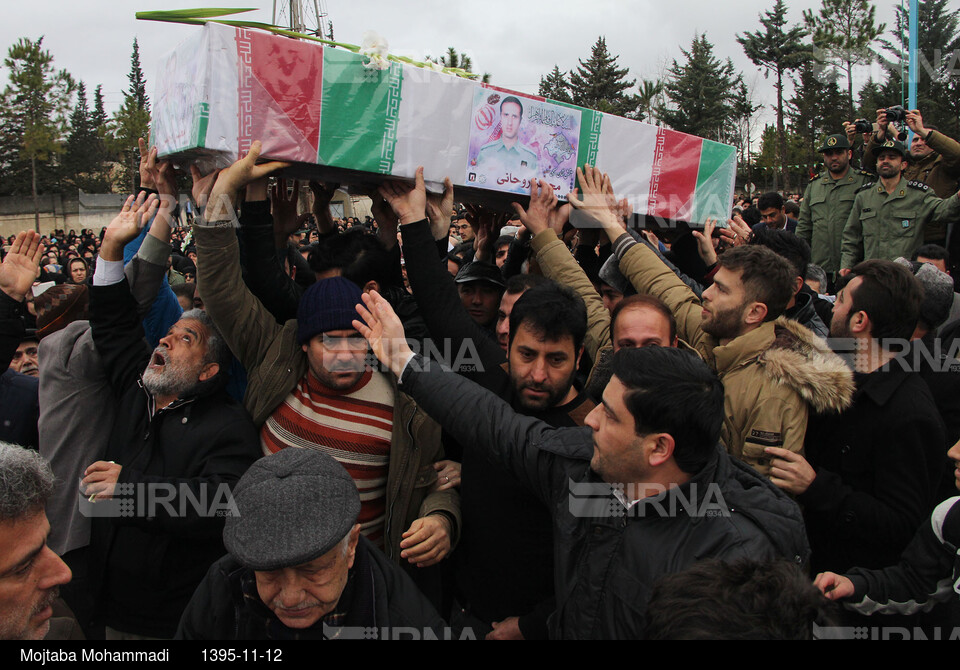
(322, 197)
(223, 197)
(409, 201)
(127, 225)
(284, 202)
(146, 172)
(440, 210)
(543, 201)
(202, 185)
(21, 265)
(384, 332)
(705, 242)
(737, 232)
(598, 200)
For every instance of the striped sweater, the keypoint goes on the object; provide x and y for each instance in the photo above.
(353, 425)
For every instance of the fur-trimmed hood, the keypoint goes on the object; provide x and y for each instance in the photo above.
(804, 362)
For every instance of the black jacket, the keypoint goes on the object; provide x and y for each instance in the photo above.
(607, 558)
(878, 465)
(152, 555)
(378, 595)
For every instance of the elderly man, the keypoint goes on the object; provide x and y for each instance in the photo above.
(177, 446)
(284, 579)
(30, 572)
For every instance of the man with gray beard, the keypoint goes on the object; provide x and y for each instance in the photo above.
(178, 444)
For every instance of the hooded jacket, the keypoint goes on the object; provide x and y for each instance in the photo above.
(772, 376)
(608, 557)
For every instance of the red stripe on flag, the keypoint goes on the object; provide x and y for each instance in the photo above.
(676, 163)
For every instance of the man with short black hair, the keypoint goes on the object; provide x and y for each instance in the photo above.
(773, 369)
(653, 441)
(741, 600)
(773, 215)
(870, 473)
(30, 572)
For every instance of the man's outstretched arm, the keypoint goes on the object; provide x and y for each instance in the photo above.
(472, 415)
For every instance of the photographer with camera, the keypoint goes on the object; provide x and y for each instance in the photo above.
(933, 159)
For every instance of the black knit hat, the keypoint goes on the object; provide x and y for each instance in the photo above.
(330, 304)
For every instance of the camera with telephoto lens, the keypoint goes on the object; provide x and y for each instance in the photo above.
(863, 126)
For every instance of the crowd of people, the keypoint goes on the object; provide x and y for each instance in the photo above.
(544, 423)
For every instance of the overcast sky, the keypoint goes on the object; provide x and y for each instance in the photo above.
(516, 42)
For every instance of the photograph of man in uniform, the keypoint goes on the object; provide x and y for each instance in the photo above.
(506, 158)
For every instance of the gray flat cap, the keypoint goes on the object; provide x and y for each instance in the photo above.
(294, 506)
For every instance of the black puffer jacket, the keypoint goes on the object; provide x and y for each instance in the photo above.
(378, 595)
(151, 555)
(607, 558)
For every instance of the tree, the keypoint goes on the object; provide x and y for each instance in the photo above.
(743, 111)
(35, 106)
(599, 84)
(817, 109)
(778, 50)
(555, 86)
(699, 92)
(458, 59)
(650, 97)
(843, 31)
(938, 86)
(131, 121)
(83, 155)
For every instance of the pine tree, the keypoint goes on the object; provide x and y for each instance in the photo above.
(555, 86)
(131, 121)
(817, 109)
(599, 84)
(699, 92)
(33, 117)
(83, 156)
(778, 50)
(843, 32)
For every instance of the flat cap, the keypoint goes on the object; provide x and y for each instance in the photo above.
(294, 506)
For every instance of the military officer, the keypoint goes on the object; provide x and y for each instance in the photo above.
(933, 159)
(888, 218)
(827, 202)
(506, 158)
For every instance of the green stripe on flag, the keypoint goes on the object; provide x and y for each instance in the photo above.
(718, 165)
(202, 119)
(358, 121)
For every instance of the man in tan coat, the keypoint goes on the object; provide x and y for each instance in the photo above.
(773, 370)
